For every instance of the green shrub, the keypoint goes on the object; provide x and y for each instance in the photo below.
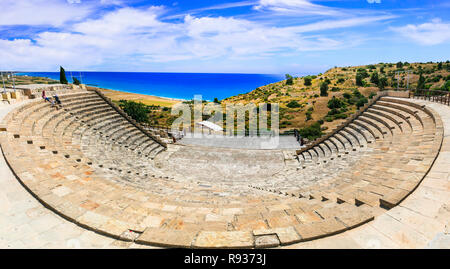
(76, 81)
(421, 82)
(293, 104)
(324, 89)
(335, 103)
(374, 78)
(359, 79)
(333, 111)
(361, 102)
(137, 111)
(308, 115)
(340, 116)
(308, 81)
(382, 83)
(311, 132)
(357, 93)
(342, 110)
(289, 79)
(446, 86)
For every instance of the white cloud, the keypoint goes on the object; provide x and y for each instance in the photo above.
(336, 24)
(430, 33)
(122, 21)
(41, 12)
(298, 7)
(137, 38)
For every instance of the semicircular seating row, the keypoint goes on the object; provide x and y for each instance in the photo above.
(89, 164)
(395, 143)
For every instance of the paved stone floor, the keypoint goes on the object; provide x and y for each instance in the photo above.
(282, 142)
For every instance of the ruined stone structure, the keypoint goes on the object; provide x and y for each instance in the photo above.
(94, 166)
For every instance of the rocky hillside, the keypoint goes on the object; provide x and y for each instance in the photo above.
(24, 80)
(306, 100)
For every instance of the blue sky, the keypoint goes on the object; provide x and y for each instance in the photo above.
(246, 36)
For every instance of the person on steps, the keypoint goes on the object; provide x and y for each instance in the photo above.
(57, 101)
(45, 97)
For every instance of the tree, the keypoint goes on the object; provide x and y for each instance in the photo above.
(137, 111)
(446, 86)
(293, 104)
(216, 101)
(62, 76)
(308, 80)
(374, 78)
(361, 74)
(439, 66)
(359, 79)
(421, 82)
(324, 89)
(382, 83)
(289, 79)
(335, 103)
(311, 132)
(76, 81)
(361, 102)
(399, 65)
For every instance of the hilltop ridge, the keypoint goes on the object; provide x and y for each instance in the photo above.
(301, 103)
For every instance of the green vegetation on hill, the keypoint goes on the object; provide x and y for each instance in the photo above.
(137, 111)
(149, 114)
(25, 80)
(304, 100)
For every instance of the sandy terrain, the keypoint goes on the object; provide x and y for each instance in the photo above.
(146, 99)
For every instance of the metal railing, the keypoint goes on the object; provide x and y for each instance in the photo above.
(442, 97)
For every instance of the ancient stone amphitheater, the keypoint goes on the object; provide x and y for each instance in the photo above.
(94, 166)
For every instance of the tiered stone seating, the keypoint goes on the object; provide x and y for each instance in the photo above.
(93, 166)
(407, 142)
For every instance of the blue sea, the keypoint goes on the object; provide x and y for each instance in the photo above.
(172, 85)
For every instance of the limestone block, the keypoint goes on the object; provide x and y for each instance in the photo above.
(233, 239)
(16, 95)
(6, 96)
(166, 238)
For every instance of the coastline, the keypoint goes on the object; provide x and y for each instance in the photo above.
(116, 95)
(171, 86)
